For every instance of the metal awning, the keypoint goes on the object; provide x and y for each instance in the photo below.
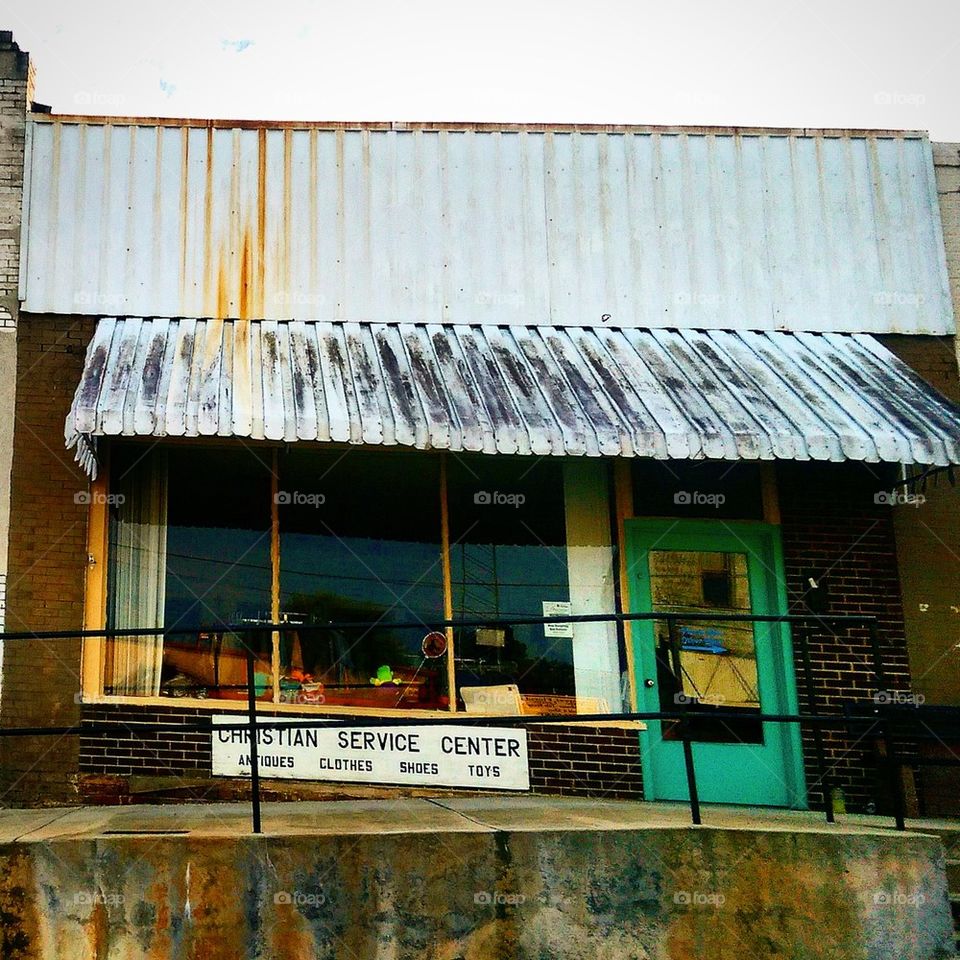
(544, 391)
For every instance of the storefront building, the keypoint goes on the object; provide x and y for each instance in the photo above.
(329, 374)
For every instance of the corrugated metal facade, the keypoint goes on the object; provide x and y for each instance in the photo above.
(549, 391)
(690, 229)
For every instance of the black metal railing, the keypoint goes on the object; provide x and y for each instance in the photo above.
(882, 720)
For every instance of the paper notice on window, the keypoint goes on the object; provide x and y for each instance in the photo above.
(557, 608)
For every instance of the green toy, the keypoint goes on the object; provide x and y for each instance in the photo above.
(384, 677)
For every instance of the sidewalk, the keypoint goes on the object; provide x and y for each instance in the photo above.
(425, 815)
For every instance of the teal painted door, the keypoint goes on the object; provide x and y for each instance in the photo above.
(687, 566)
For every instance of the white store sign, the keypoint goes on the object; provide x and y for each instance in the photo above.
(441, 755)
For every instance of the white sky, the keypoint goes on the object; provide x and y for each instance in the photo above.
(825, 63)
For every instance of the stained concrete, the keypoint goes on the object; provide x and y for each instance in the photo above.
(471, 878)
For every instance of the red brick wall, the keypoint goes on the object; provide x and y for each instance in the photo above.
(832, 528)
(585, 761)
(47, 561)
(569, 761)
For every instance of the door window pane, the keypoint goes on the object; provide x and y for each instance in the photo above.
(709, 663)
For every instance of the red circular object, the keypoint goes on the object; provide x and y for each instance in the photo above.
(434, 645)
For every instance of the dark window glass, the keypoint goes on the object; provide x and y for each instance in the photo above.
(360, 541)
(190, 547)
(218, 537)
(508, 557)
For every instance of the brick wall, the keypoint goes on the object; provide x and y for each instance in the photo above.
(47, 563)
(833, 530)
(569, 761)
(946, 165)
(150, 753)
(585, 761)
(927, 539)
(934, 358)
(16, 91)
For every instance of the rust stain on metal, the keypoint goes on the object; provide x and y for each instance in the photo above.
(210, 288)
(261, 263)
(246, 275)
(222, 308)
(283, 277)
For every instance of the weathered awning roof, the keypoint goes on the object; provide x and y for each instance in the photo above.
(572, 391)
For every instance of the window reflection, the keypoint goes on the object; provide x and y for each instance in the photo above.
(709, 663)
(190, 546)
(360, 541)
(508, 557)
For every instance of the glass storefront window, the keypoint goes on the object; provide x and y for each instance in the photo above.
(360, 541)
(508, 559)
(190, 545)
(359, 536)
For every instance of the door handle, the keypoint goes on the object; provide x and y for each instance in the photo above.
(649, 683)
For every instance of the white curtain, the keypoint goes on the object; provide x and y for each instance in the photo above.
(140, 561)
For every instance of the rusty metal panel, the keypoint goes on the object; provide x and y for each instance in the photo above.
(635, 228)
(545, 391)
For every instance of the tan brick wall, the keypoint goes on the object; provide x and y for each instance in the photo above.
(946, 159)
(48, 548)
(928, 536)
(16, 89)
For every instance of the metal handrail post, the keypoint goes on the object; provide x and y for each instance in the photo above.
(817, 731)
(890, 760)
(254, 757)
(684, 724)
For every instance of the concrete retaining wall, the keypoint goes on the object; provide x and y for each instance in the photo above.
(669, 894)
